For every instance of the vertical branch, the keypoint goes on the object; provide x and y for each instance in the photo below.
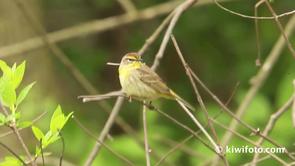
(293, 106)
(146, 144)
(42, 154)
(63, 148)
(257, 34)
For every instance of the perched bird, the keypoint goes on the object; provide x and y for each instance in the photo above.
(141, 82)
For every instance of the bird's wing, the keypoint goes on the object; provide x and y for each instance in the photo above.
(150, 78)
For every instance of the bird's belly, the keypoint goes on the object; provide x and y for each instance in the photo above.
(134, 87)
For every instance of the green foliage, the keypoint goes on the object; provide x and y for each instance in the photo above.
(9, 82)
(58, 120)
(11, 161)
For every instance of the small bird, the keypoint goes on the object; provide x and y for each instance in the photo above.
(140, 82)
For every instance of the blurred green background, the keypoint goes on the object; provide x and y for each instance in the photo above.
(220, 47)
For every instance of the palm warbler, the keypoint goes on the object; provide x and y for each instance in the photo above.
(141, 82)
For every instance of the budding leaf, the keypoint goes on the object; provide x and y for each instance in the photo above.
(24, 92)
(38, 133)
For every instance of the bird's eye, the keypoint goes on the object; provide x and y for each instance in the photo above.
(130, 60)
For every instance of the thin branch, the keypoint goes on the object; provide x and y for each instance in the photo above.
(146, 144)
(199, 125)
(105, 131)
(252, 17)
(293, 106)
(281, 28)
(258, 81)
(88, 98)
(20, 139)
(20, 129)
(270, 124)
(42, 154)
(13, 153)
(257, 34)
(81, 126)
(13, 127)
(249, 141)
(63, 148)
(155, 34)
(178, 11)
(128, 6)
(199, 98)
(94, 26)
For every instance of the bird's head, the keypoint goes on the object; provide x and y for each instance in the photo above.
(131, 59)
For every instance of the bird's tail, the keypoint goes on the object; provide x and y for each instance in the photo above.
(177, 97)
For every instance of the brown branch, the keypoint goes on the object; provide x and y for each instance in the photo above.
(13, 127)
(253, 17)
(94, 26)
(105, 131)
(81, 126)
(249, 141)
(178, 11)
(258, 81)
(128, 6)
(281, 28)
(270, 124)
(13, 153)
(146, 144)
(293, 106)
(20, 129)
(257, 34)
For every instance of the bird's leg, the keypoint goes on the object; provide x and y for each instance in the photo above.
(150, 105)
(129, 99)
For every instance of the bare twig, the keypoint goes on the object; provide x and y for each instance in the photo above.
(281, 28)
(105, 131)
(13, 127)
(270, 124)
(293, 106)
(249, 141)
(199, 98)
(173, 150)
(20, 139)
(199, 125)
(13, 153)
(259, 79)
(20, 129)
(94, 26)
(146, 144)
(87, 98)
(178, 11)
(253, 17)
(102, 143)
(257, 34)
(42, 154)
(63, 148)
(128, 6)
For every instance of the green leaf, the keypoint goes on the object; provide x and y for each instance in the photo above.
(56, 119)
(19, 74)
(11, 161)
(24, 124)
(2, 119)
(8, 95)
(38, 133)
(5, 68)
(24, 92)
